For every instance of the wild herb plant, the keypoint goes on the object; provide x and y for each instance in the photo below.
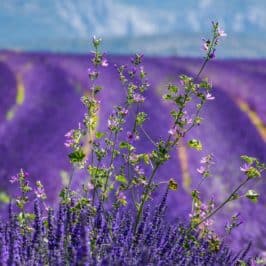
(98, 225)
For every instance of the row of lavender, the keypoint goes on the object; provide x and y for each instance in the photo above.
(41, 103)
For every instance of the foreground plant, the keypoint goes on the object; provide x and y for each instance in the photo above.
(109, 219)
(80, 235)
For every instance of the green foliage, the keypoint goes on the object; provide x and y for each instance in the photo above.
(252, 195)
(76, 156)
(4, 198)
(121, 178)
(195, 144)
(140, 118)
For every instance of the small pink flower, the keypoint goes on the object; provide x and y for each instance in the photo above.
(204, 159)
(131, 136)
(69, 133)
(13, 179)
(172, 131)
(139, 170)
(121, 196)
(69, 138)
(90, 186)
(133, 157)
(221, 32)
(112, 123)
(92, 74)
(245, 167)
(209, 97)
(201, 170)
(39, 191)
(105, 63)
(205, 46)
(138, 98)
(124, 111)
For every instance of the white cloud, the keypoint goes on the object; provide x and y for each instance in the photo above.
(256, 15)
(238, 22)
(193, 21)
(205, 3)
(114, 19)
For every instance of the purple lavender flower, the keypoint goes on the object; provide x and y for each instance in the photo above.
(83, 237)
(14, 178)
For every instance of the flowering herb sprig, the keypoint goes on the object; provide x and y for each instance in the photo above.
(181, 96)
(24, 218)
(201, 219)
(209, 45)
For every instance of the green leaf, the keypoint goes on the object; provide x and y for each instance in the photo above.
(172, 185)
(252, 195)
(126, 145)
(241, 263)
(252, 172)
(172, 88)
(140, 118)
(195, 144)
(99, 135)
(146, 158)
(76, 156)
(248, 159)
(234, 197)
(167, 97)
(4, 198)
(97, 89)
(121, 178)
(175, 114)
(29, 216)
(198, 120)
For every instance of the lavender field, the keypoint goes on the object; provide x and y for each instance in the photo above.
(40, 102)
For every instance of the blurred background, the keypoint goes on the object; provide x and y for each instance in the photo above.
(44, 57)
(155, 27)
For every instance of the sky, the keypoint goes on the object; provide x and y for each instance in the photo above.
(155, 27)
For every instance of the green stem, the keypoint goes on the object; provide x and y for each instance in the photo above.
(207, 57)
(220, 206)
(145, 197)
(111, 162)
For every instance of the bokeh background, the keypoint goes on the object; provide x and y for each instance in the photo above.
(44, 57)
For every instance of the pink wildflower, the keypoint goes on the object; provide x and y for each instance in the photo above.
(221, 32)
(138, 98)
(245, 167)
(201, 170)
(209, 97)
(105, 63)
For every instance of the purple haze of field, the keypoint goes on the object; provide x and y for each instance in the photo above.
(41, 104)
